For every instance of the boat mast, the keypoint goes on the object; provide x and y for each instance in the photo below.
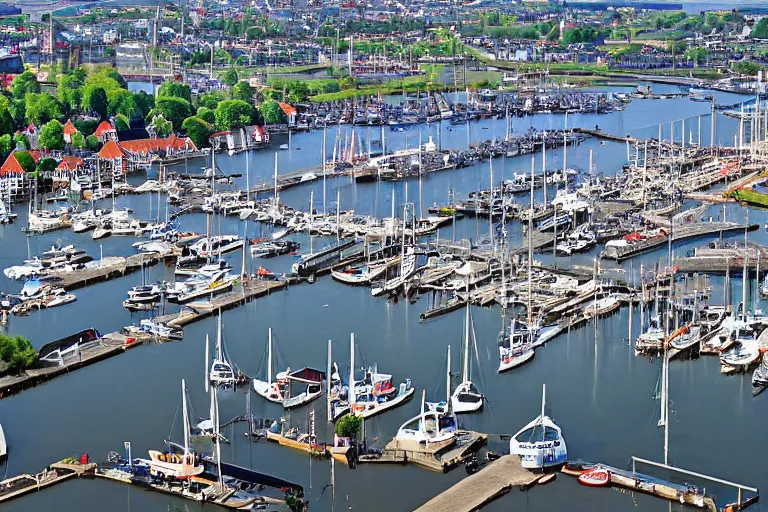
(269, 357)
(186, 418)
(219, 355)
(218, 441)
(448, 381)
(530, 251)
(351, 391)
(744, 276)
(465, 368)
(323, 157)
(328, 380)
(543, 425)
(276, 197)
(207, 364)
(490, 207)
(544, 168)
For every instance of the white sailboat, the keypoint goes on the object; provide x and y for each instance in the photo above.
(540, 443)
(280, 389)
(172, 464)
(221, 373)
(466, 398)
(431, 426)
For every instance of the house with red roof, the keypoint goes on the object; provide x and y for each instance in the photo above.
(69, 167)
(69, 131)
(13, 177)
(105, 132)
(136, 154)
(290, 113)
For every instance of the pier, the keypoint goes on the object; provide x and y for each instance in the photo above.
(111, 268)
(56, 473)
(478, 490)
(599, 134)
(439, 457)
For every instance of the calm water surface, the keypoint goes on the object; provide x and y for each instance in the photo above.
(598, 391)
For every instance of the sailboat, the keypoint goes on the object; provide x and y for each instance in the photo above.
(280, 389)
(207, 428)
(221, 373)
(431, 426)
(466, 398)
(3, 445)
(372, 395)
(180, 466)
(540, 443)
(518, 349)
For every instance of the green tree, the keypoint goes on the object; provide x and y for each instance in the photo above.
(198, 130)
(20, 142)
(26, 161)
(696, 54)
(760, 30)
(69, 92)
(207, 115)
(95, 100)
(348, 426)
(272, 113)
(176, 90)
(554, 33)
(6, 146)
(173, 109)
(78, 140)
(41, 108)
(51, 135)
(122, 102)
(46, 166)
(144, 103)
(18, 109)
(122, 123)
(242, 91)
(17, 352)
(161, 126)
(106, 74)
(6, 119)
(210, 100)
(92, 142)
(23, 84)
(231, 114)
(230, 77)
(746, 67)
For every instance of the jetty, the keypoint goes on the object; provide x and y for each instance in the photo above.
(56, 473)
(478, 490)
(599, 134)
(87, 354)
(111, 268)
(438, 457)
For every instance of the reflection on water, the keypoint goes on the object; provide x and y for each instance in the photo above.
(598, 391)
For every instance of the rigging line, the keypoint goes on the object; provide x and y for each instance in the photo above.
(173, 423)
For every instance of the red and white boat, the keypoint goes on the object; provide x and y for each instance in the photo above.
(599, 477)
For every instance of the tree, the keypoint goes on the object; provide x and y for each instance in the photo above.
(554, 33)
(210, 100)
(173, 109)
(40, 108)
(95, 100)
(23, 84)
(746, 67)
(231, 114)
(92, 142)
(348, 426)
(122, 102)
(144, 103)
(230, 77)
(78, 140)
(17, 352)
(161, 126)
(69, 92)
(46, 166)
(20, 141)
(272, 113)
(122, 123)
(176, 90)
(18, 112)
(52, 135)
(198, 130)
(242, 91)
(6, 146)
(206, 114)
(6, 119)
(760, 30)
(26, 161)
(104, 75)
(697, 54)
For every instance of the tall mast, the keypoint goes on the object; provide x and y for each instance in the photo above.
(544, 169)
(269, 357)
(218, 441)
(530, 248)
(186, 418)
(277, 199)
(328, 380)
(745, 275)
(448, 380)
(218, 338)
(351, 386)
(323, 157)
(465, 368)
(207, 365)
(490, 207)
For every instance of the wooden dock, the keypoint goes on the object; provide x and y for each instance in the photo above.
(111, 268)
(439, 457)
(247, 291)
(108, 346)
(21, 485)
(684, 232)
(599, 134)
(488, 484)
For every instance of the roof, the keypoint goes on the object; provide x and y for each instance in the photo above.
(12, 165)
(69, 128)
(111, 150)
(70, 163)
(289, 110)
(150, 145)
(104, 127)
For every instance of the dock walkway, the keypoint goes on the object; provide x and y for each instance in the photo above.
(439, 457)
(111, 268)
(488, 484)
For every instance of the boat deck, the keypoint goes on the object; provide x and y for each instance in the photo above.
(476, 491)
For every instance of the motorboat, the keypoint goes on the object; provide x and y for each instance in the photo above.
(431, 426)
(652, 340)
(516, 348)
(217, 245)
(265, 248)
(760, 375)
(540, 444)
(364, 274)
(281, 389)
(745, 353)
(160, 329)
(687, 338)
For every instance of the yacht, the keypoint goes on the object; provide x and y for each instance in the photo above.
(431, 426)
(516, 349)
(540, 443)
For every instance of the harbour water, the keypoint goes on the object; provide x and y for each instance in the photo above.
(599, 392)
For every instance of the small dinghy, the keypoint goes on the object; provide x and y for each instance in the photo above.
(599, 477)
